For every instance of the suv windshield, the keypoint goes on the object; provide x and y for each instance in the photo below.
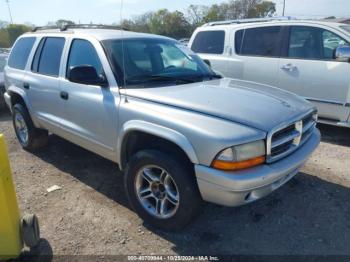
(142, 62)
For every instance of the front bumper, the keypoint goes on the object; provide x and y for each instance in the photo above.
(241, 187)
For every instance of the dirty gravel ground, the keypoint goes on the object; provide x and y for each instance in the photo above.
(91, 215)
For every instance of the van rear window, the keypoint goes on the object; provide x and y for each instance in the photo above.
(20, 53)
(209, 42)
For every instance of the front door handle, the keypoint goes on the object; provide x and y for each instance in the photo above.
(289, 67)
(26, 85)
(64, 95)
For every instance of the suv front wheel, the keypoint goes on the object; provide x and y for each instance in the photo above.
(28, 135)
(162, 190)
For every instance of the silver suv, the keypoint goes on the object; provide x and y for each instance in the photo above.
(308, 58)
(180, 133)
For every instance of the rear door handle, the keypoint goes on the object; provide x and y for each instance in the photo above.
(64, 95)
(289, 67)
(26, 85)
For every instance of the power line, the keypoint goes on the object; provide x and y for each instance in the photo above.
(8, 7)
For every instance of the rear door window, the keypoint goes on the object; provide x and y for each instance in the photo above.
(261, 41)
(47, 59)
(20, 53)
(209, 42)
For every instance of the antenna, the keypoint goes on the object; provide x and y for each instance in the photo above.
(123, 51)
(8, 7)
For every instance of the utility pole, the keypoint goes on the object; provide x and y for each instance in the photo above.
(8, 6)
(284, 7)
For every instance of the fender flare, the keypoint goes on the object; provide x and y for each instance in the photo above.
(156, 130)
(18, 91)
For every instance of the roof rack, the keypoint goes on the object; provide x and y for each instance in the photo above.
(250, 20)
(79, 26)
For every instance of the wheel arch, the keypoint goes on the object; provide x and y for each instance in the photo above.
(17, 95)
(168, 137)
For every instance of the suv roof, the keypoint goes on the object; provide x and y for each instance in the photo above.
(268, 21)
(100, 32)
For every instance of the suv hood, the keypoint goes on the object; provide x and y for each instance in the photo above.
(255, 105)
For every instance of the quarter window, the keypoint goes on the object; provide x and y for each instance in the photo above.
(47, 58)
(209, 42)
(20, 53)
(82, 52)
(261, 41)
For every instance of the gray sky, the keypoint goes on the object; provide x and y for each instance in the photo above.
(40, 12)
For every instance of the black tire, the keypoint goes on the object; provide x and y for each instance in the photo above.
(30, 230)
(37, 138)
(190, 201)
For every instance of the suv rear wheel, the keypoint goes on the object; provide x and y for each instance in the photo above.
(162, 190)
(28, 135)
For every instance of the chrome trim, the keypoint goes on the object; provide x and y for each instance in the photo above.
(326, 101)
(334, 123)
(298, 122)
(283, 140)
(308, 126)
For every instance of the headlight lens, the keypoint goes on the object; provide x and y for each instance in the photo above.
(241, 156)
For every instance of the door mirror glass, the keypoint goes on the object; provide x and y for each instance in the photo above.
(342, 54)
(86, 75)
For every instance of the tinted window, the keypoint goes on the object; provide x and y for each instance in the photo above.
(330, 42)
(50, 57)
(262, 41)
(305, 42)
(142, 62)
(20, 52)
(313, 43)
(238, 41)
(209, 42)
(36, 58)
(82, 52)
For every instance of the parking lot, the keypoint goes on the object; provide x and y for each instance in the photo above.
(91, 215)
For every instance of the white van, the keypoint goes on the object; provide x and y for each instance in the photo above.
(309, 58)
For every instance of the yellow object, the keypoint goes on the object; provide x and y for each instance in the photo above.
(10, 236)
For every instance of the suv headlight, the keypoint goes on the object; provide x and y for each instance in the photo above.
(241, 156)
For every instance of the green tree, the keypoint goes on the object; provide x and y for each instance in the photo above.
(4, 39)
(15, 30)
(172, 24)
(263, 9)
(62, 22)
(3, 24)
(216, 13)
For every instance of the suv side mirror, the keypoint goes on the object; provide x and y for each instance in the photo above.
(207, 62)
(87, 75)
(342, 54)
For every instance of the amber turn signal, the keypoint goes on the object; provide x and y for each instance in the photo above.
(226, 165)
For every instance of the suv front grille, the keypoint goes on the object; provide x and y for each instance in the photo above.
(288, 138)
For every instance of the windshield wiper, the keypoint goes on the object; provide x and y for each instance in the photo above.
(212, 76)
(143, 78)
